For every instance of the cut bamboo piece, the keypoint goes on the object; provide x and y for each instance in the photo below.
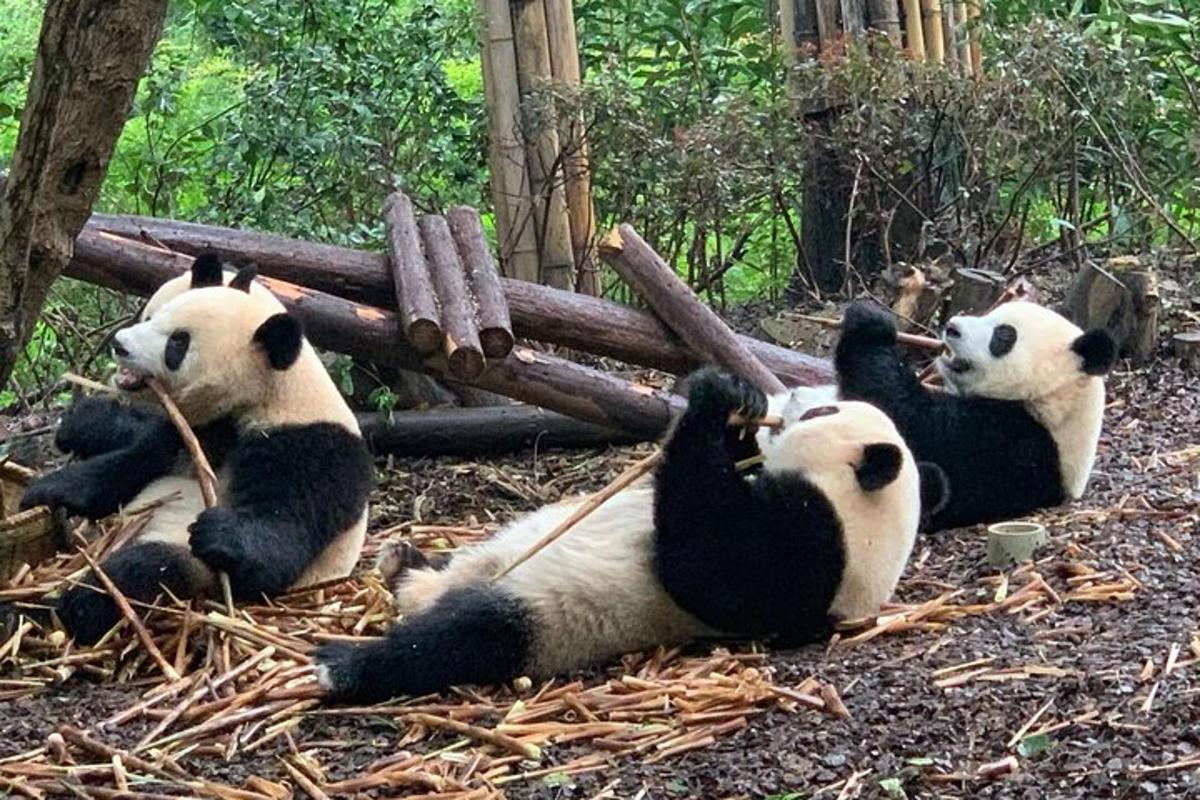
(931, 12)
(914, 30)
(414, 293)
(495, 324)
(543, 150)
(677, 306)
(515, 235)
(464, 354)
(564, 64)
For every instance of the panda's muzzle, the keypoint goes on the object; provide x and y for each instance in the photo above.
(125, 379)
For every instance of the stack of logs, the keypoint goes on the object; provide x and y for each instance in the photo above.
(436, 304)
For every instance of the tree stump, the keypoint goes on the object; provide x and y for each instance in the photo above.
(1187, 350)
(1122, 297)
(974, 291)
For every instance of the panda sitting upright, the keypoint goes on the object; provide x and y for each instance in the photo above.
(821, 532)
(1018, 426)
(293, 470)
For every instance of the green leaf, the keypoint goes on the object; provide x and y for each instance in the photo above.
(1032, 746)
(893, 787)
(1162, 20)
(922, 761)
(557, 779)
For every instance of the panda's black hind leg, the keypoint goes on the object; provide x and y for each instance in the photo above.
(471, 635)
(141, 571)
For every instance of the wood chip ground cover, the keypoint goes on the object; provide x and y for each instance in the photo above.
(1076, 676)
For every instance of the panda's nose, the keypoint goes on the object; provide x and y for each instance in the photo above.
(119, 349)
(953, 331)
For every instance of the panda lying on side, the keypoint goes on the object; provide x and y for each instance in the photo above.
(822, 532)
(293, 470)
(1018, 426)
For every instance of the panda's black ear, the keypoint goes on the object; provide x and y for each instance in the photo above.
(879, 466)
(1098, 351)
(245, 276)
(206, 270)
(281, 338)
(935, 488)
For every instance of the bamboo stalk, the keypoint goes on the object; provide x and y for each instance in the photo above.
(976, 47)
(515, 233)
(914, 30)
(515, 746)
(962, 40)
(931, 11)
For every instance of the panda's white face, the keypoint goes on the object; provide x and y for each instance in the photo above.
(1018, 351)
(213, 350)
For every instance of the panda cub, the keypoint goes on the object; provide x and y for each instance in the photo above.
(1019, 422)
(821, 532)
(293, 470)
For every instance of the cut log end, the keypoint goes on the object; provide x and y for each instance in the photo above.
(612, 243)
(496, 342)
(465, 363)
(425, 335)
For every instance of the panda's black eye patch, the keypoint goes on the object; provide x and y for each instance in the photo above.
(1003, 339)
(177, 347)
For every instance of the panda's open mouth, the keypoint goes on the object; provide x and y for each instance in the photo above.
(129, 381)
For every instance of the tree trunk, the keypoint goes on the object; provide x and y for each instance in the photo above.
(89, 59)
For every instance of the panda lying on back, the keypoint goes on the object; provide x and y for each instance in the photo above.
(821, 533)
(293, 470)
(1018, 426)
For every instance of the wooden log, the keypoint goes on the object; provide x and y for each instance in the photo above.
(914, 30)
(884, 16)
(410, 275)
(495, 324)
(564, 64)
(515, 234)
(974, 291)
(1187, 349)
(464, 354)
(538, 312)
(931, 13)
(676, 305)
(1122, 297)
(482, 431)
(543, 148)
(372, 334)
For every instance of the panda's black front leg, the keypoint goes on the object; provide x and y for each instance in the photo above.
(699, 492)
(292, 491)
(867, 361)
(100, 485)
(96, 425)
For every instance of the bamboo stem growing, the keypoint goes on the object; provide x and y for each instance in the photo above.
(912, 26)
(931, 11)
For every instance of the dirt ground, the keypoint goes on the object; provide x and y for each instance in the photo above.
(1105, 695)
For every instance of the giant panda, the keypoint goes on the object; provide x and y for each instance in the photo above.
(293, 470)
(820, 532)
(1018, 425)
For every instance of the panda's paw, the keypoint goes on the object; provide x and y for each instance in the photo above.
(340, 670)
(87, 612)
(867, 322)
(71, 489)
(218, 538)
(87, 427)
(717, 394)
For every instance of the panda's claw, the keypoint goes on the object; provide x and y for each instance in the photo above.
(719, 393)
(72, 489)
(868, 322)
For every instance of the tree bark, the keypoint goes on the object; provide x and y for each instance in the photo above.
(676, 304)
(89, 59)
(538, 312)
(495, 324)
(464, 355)
(415, 298)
